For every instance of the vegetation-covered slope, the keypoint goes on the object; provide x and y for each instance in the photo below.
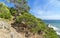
(4, 11)
(36, 25)
(27, 21)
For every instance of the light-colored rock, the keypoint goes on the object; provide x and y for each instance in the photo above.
(6, 31)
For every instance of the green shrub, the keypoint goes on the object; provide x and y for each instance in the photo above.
(4, 12)
(36, 24)
(13, 11)
(31, 21)
(5, 15)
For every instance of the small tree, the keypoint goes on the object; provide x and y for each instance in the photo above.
(20, 5)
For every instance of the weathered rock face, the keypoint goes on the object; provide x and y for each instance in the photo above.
(6, 31)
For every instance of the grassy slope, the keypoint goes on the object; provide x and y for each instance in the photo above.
(30, 22)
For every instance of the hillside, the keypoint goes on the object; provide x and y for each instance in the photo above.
(22, 24)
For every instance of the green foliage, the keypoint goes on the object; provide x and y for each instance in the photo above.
(5, 15)
(36, 24)
(13, 11)
(20, 5)
(59, 36)
(31, 22)
(4, 11)
(50, 33)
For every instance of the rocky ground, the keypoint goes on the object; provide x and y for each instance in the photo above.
(6, 31)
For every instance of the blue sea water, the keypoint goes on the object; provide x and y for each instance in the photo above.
(55, 24)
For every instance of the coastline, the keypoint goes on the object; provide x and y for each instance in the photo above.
(55, 28)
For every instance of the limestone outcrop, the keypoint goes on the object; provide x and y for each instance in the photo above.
(6, 31)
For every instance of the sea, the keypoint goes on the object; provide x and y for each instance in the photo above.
(55, 24)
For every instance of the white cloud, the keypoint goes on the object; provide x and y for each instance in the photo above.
(52, 5)
(51, 10)
(55, 17)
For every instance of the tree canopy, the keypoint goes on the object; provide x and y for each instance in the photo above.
(20, 5)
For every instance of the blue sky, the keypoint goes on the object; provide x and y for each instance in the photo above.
(44, 9)
(7, 4)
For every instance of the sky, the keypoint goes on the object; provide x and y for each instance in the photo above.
(7, 4)
(44, 9)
